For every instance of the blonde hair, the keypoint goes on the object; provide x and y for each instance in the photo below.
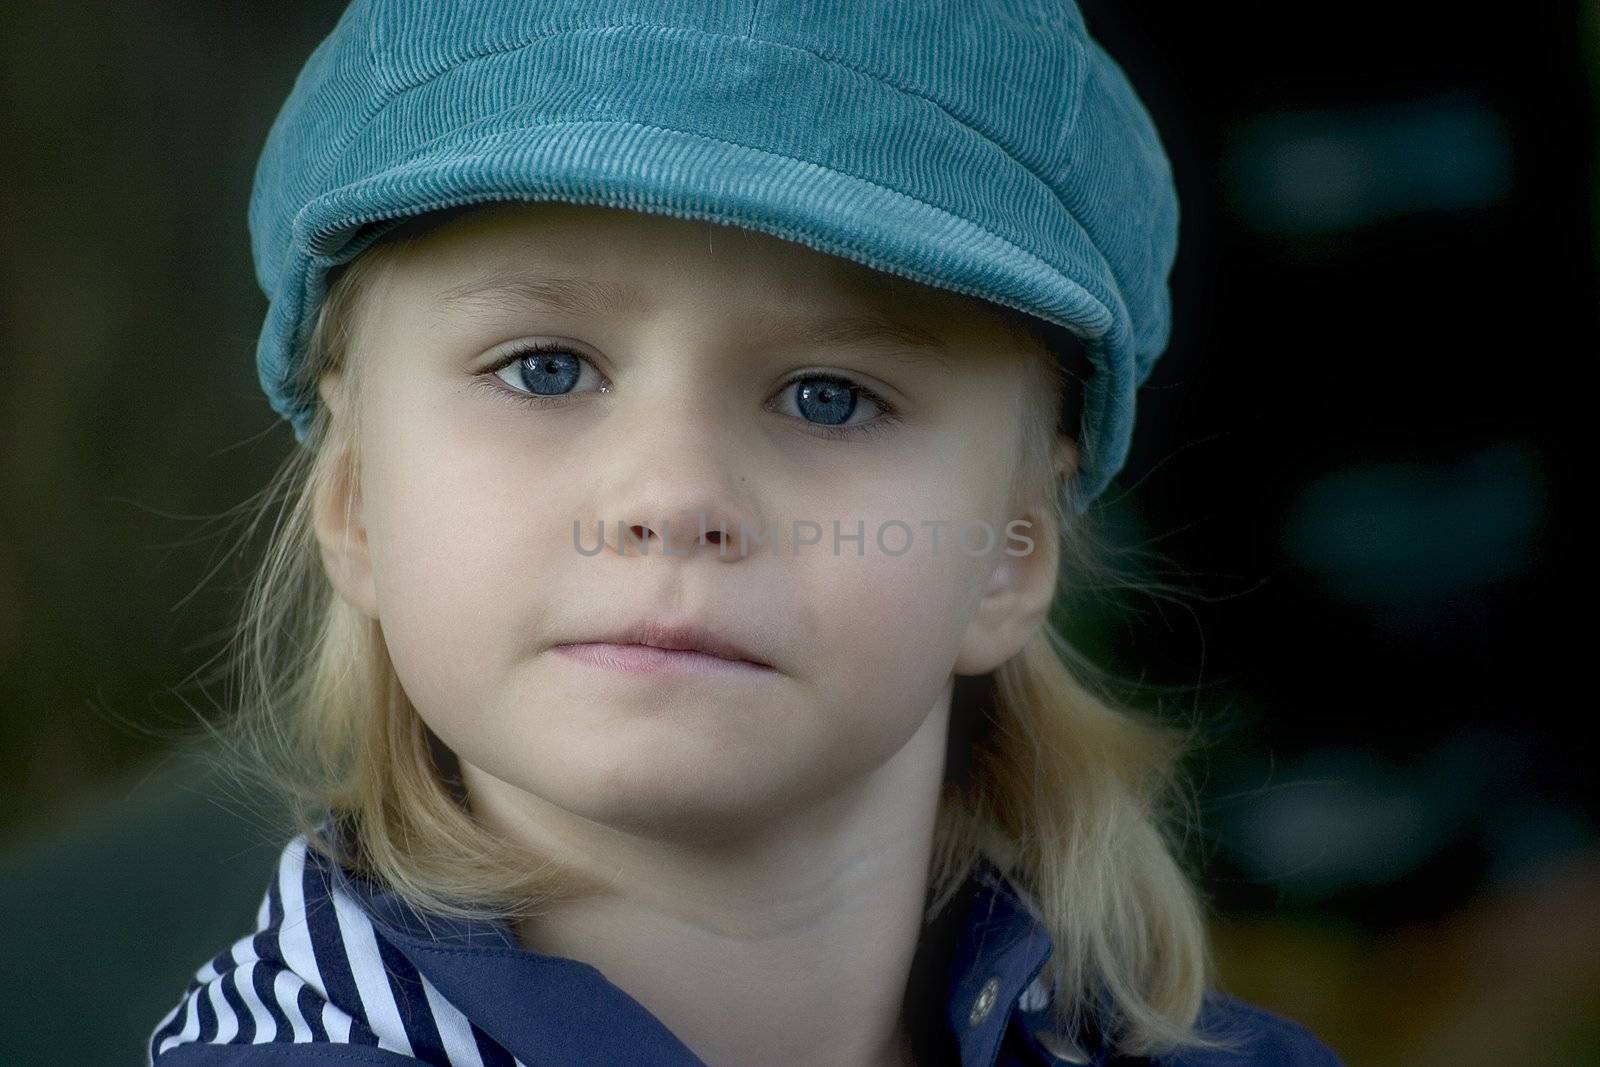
(1075, 798)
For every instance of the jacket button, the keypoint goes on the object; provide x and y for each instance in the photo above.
(985, 1001)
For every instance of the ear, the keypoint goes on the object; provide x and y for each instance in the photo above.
(337, 517)
(1022, 585)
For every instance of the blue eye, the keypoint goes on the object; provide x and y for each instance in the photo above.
(826, 402)
(546, 374)
(544, 370)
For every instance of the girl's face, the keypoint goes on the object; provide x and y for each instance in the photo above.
(693, 381)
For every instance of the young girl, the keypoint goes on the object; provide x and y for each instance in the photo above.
(701, 402)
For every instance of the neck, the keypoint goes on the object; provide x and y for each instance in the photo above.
(742, 951)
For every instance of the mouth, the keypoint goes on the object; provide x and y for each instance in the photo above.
(654, 646)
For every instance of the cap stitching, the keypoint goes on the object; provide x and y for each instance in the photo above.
(1007, 240)
(393, 92)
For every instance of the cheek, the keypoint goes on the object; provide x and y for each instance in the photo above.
(896, 622)
(456, 566)
(889, 630)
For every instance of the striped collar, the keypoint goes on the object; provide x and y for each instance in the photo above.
(993, 974)
(338, 958)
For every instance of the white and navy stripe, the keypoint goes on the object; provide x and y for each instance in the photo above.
(316, 970)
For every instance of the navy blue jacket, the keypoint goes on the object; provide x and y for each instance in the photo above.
(339, 971)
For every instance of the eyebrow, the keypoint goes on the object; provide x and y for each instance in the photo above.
(518, 291)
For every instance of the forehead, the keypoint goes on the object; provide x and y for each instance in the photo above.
(630, 261)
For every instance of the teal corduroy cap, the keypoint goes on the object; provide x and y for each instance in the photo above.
(988, 147)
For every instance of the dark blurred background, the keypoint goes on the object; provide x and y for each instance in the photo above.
(1353, 494)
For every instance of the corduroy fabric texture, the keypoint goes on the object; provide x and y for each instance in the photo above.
(989, 147)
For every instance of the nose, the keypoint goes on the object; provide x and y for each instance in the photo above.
(681, 534)
(675, 480)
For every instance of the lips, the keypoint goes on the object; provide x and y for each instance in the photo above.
(680, 636)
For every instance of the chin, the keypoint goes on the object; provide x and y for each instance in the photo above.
(682, 800)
